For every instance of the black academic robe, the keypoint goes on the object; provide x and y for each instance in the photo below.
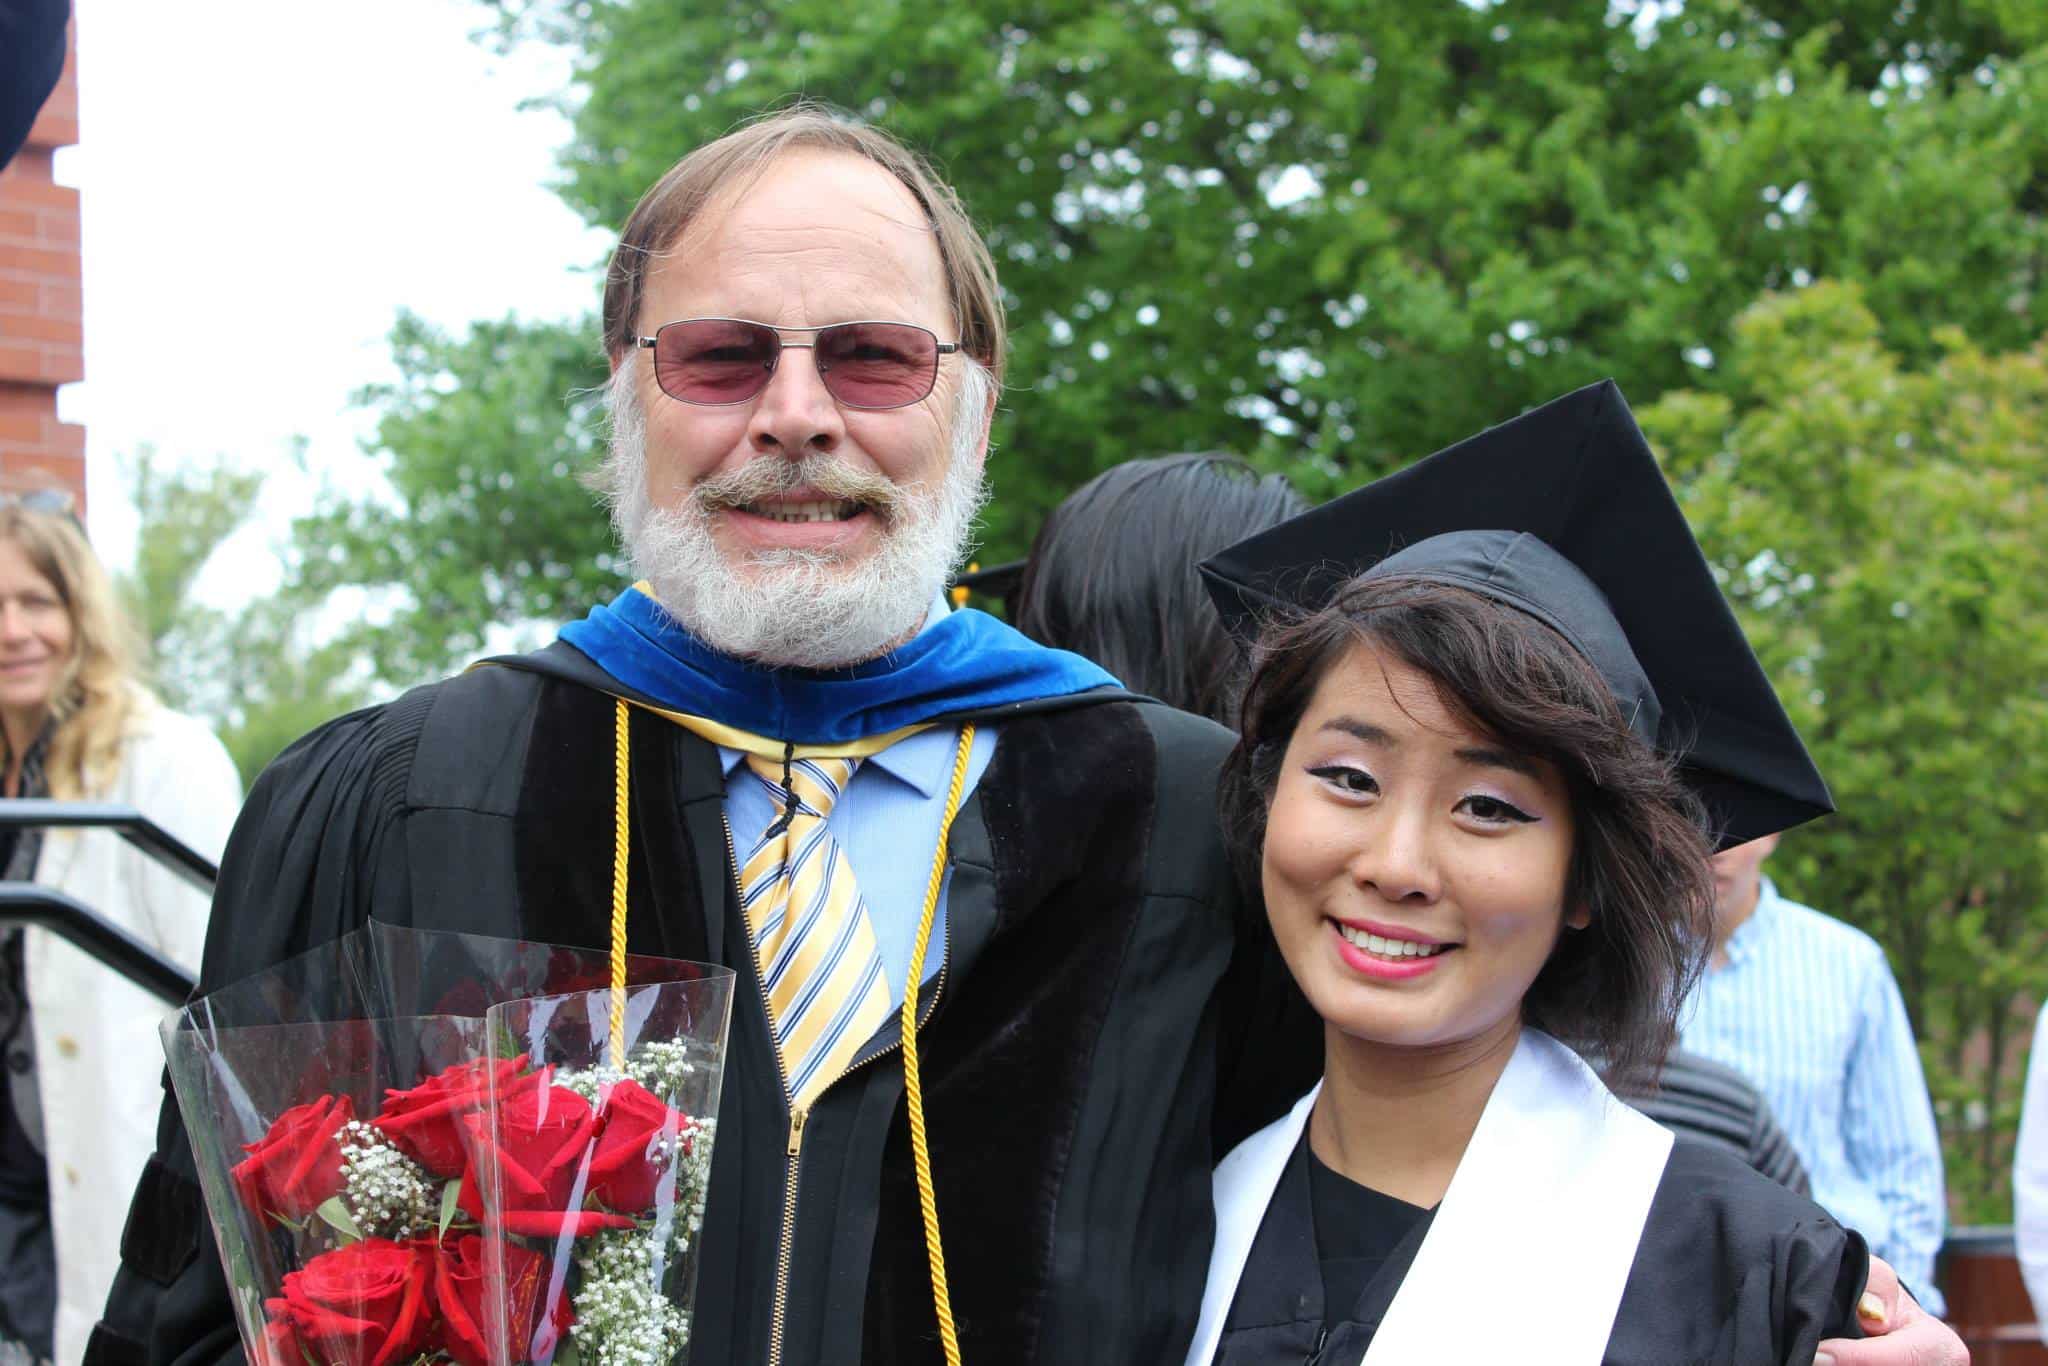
(1732, 1270)
(1093, 1046)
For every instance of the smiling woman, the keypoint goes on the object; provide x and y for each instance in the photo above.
(1478, 781)
(76, 1112)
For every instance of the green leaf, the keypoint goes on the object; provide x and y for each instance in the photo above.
(568, 1355)
(339, 1219)
(450, 1193)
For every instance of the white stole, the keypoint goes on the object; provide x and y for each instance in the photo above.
(1533, 1242)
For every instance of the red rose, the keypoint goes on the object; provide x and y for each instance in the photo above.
(365, 1304)
(543, 1142)
(281, 1340)
(425, 1122)
(630, 1159)
(462, 1290)
(297, 1165)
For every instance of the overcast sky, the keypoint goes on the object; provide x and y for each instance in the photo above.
(265, 184)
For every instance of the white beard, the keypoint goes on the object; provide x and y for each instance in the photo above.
(789, 607)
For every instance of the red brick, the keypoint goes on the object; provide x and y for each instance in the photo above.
(54, 301)
(57, 228)
(28, 469)
(19, 227)
(62, 364)
(28, 192)
(20, 362)
(26, 296)
(50, 266)
(46, 330)
(30, 163)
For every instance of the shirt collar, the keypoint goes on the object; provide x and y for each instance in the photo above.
(922, 762)
(1752, 932)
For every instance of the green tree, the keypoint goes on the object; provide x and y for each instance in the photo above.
(257, 674)
(1879, 528)
(1332, 233)
(186, 512)
(485, 522)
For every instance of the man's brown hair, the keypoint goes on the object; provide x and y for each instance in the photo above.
(674, 201)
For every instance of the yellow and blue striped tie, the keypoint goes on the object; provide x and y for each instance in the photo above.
(813, 944)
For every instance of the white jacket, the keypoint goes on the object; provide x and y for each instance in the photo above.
(99, 1060)
(2030, 1176)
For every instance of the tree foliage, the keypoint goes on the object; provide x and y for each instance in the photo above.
(486, 522)
(1331, 233)
(255, 674)
(1337, 234)
(1879, 529)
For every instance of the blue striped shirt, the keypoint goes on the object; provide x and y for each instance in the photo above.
(887, 824)
(1806, 1008)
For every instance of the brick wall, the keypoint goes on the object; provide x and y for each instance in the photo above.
(41, 305)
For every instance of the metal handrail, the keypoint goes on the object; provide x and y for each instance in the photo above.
(29, 903)
(125, 821)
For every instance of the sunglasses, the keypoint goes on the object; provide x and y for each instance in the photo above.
(720, 361)
(48, 502)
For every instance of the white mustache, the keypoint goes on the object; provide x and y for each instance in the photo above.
(768, 475)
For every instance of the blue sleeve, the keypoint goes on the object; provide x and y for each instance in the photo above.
(1892, 1142)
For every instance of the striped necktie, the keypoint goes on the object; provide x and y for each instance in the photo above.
(813, 944)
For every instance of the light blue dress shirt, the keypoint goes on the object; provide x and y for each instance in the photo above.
(887, 823)
(1807, 1009)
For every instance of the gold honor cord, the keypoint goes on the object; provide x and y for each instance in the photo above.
(913, 1086)
(622, 725)
(913, 1089)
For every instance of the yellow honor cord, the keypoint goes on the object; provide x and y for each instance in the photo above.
(622, 770)
(913, 1086)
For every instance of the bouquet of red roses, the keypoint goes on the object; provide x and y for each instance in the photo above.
(423, 1147)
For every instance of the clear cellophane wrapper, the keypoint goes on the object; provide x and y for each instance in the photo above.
(363, 1141)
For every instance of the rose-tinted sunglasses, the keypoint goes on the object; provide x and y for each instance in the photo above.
(721, 361)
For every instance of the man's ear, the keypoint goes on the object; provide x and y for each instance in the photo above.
(988, 416)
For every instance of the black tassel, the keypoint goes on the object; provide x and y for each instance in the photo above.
(788, 792)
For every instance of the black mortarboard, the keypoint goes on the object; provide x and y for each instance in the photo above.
(1562, 513)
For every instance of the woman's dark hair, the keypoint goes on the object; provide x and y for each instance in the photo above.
(1639, 862)
(1112, 574)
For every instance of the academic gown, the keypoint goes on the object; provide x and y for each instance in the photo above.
(1731, 1268)
(1093, 1043)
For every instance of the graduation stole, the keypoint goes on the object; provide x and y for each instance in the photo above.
(1539, 1227)
(913, 1090)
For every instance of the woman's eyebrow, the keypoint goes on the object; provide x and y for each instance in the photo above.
(1501, 758)
(1363, 730)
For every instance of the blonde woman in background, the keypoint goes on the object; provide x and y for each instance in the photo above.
(79, 1092)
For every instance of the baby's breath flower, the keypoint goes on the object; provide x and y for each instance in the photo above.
(662, 1067)
(623, 1314)
(591, 1083)
(387, 1193)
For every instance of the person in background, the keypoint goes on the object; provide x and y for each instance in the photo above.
(77, 1104)
(2030, 1177)
(1806, 1008)
(1112, 573)
(1692, 1096)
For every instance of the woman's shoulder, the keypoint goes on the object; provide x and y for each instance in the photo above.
(1713, 1197)
(1734, 1267)
(152, 721)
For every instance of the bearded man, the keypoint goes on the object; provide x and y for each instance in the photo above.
(806, 340)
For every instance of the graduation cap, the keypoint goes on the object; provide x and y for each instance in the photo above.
(1562, 513)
